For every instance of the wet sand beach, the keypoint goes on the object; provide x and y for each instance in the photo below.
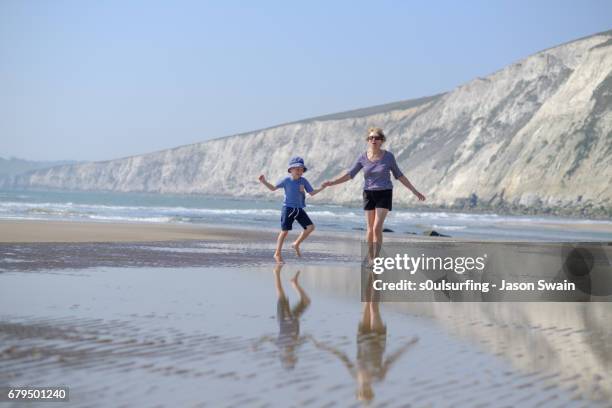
(213, 322)
(77, 231)
(211, 336)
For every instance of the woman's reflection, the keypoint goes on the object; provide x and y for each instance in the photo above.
(370, 365)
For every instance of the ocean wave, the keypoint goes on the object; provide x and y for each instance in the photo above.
(66, 208)
(440, 219)
(330, 214)
(60, 212)
(120, 208)
(134, 219)
(450, 227)
(417, 215)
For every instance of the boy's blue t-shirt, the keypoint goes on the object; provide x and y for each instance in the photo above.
(295, 197)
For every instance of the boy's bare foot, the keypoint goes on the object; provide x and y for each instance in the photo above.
(296, 247)
(278, 258)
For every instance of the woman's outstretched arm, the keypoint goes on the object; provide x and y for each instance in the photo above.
(343, 357)
(345, 177)
(397, 354)
(410, 187)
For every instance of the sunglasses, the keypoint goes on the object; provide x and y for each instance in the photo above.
(376, 138)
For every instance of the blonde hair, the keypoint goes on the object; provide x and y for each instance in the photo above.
(375, 131)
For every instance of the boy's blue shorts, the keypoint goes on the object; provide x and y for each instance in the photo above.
(289, 214)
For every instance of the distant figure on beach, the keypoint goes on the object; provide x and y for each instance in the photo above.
(295, 187)
(370, 365)
(377, 164)
(288, 318)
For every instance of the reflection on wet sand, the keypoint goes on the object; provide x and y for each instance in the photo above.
(145, 336)
(289, 339)
(370, 366)
(571, 342)
(567, 344)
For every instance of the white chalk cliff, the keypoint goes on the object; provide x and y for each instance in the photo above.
(535, 136)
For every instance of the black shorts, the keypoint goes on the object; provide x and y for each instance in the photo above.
(288, 215)
(377, 199)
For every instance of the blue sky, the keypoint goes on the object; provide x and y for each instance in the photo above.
(96, 80)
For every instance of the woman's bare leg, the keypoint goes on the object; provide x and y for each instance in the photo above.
(370, 216)
(365, 314)
(365, 317)
(376, 322)
(279, 246)
(379, 221)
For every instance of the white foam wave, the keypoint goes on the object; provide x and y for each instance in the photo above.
(134, 219)
(439, 219)
(450, 227)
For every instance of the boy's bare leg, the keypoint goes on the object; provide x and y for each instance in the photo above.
(296, 285)
(295, 277)
(301, 238)
(277, 281)
(279, 246)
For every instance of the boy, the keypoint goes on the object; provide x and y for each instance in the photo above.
(293, 205)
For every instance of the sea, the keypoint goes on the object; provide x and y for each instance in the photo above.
(265, 214)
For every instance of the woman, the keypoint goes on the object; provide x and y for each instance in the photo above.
(377, 164)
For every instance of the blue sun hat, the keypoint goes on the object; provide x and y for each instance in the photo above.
(296, 161)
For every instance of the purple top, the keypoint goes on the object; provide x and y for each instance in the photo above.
(376, 173)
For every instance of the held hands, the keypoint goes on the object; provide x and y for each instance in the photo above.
(326, 184)
(262, 178)
(318, 190)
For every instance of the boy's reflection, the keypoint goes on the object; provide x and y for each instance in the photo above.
(288, 318)
(370, 366)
